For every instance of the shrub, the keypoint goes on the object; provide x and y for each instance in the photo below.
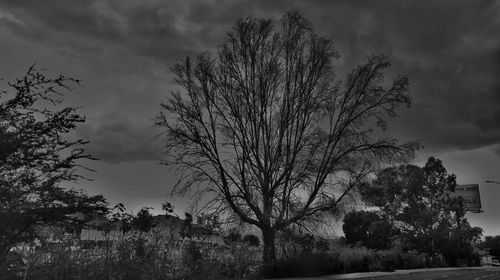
(301, 266)
(412, 260)
(251, 240)
(353, 259)
(233, 237)
(345, 259)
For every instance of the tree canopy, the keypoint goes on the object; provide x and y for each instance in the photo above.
(418, 201)
(143, 220)
(261, 126)
(37, 155)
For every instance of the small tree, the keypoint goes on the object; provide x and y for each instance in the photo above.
(36, 157)
(261, 127)
(143, 220)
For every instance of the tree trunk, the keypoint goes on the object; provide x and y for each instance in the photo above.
(268, 235)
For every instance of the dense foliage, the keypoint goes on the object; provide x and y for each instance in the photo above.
(419, 202)
(492, 245)
(369, 229)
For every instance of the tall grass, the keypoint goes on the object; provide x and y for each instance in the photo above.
(137, 259)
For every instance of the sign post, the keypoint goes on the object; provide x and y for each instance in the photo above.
(470, 194)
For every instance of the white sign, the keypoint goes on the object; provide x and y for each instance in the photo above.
(470, 194)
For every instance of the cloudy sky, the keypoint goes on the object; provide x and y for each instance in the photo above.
(123, 50)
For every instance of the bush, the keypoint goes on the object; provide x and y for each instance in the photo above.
(251, 240)
(342, 258)
(355, 259)
(360, 259)
(233, 237)
(302, 266)
(412, 260)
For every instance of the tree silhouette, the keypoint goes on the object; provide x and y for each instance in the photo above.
(263, 125)
(36, 157)
(143, 220)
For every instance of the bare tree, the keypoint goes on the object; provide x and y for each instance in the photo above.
(263, 126)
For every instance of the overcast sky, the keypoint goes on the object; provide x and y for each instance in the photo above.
(123, 50)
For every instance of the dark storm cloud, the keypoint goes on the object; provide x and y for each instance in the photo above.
(116, 139)
(160, 29)
(128, 47)
(449, 50)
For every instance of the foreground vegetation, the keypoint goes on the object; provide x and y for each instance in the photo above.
(167, 247)
(136, 257)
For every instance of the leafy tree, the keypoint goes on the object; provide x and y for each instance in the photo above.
(261, 127)
(36, 156)
(415, 198)
(368, 228)
(418, 201)
(143, 220)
